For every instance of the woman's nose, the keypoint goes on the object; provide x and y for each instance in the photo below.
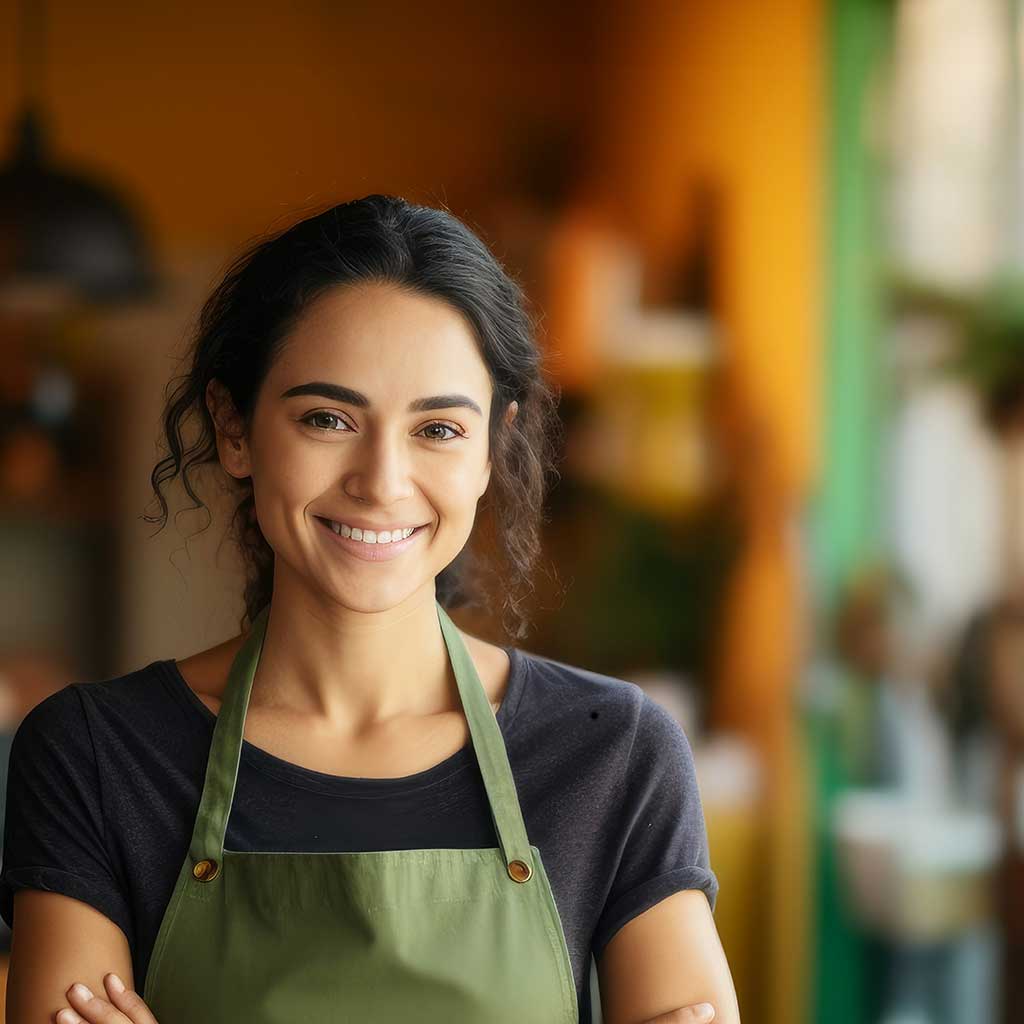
(379, 473)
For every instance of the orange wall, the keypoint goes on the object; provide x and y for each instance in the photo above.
(221, 117)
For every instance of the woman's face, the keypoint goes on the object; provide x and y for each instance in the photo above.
(405, 445)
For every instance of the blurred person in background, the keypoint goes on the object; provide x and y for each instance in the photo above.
(923, 963)
(985, 705)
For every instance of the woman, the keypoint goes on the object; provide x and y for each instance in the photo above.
(365, 853)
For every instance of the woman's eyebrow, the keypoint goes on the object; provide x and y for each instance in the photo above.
(340, 393)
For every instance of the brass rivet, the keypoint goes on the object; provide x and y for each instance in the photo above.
(518, 871)
(205, 870)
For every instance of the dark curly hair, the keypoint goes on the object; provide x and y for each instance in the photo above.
(380, 238)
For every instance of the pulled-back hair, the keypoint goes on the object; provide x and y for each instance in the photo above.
(246, 320)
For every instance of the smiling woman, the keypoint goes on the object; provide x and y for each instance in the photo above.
(353, 809)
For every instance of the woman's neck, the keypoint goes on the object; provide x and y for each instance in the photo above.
(354, 669)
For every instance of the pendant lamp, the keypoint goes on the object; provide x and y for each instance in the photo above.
(63, 232)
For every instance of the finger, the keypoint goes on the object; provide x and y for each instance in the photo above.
(700, 1013)
(127, 1000)
(92, 1008)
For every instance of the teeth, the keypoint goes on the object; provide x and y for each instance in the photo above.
(369, 536)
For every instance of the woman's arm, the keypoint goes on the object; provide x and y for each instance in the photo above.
(56, 941)
(664, 959)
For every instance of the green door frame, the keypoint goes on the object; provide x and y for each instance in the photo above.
(846, 513)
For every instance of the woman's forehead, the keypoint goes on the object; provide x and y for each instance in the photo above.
(347, 323)
(380, 312)
(383, 336)
(391, 363)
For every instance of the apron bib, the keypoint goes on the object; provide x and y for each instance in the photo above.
(389, 936)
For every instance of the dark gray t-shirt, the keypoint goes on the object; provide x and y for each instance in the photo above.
(104, 782)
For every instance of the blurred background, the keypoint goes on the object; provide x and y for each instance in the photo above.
(778, 248)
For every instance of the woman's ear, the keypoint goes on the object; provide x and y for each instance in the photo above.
(510, 415)
(232, 446)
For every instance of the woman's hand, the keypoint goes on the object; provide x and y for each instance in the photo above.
(125, 1006)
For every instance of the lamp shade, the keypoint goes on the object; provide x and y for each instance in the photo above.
(64, 228)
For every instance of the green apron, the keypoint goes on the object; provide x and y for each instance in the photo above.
(434, 936)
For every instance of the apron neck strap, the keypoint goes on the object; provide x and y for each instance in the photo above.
(226, 747)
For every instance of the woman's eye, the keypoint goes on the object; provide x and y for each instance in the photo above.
(443, 426)
(324, 415)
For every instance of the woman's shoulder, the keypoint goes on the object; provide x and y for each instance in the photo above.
(82, 705)
(58, 715)
(618, 712)
(606, 729)
(573, 683)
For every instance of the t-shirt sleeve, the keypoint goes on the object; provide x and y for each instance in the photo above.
(54, 833)
(661, 838)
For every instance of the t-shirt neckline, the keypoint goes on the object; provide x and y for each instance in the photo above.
(308, 778)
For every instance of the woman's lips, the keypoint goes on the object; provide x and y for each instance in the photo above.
(371, 552)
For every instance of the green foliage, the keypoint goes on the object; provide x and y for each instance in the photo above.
(993, 342)
(989, 323)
